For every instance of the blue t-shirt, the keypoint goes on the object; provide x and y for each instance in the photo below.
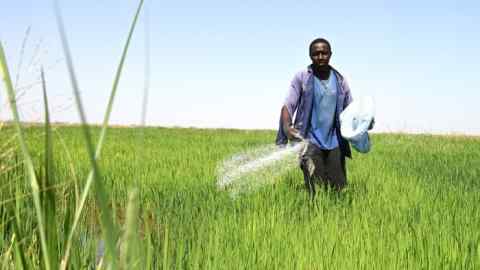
(322, 127)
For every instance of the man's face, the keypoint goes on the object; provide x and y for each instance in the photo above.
(320, 54)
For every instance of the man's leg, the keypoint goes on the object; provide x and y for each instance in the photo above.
(313, 164)
(336, 169)
(308, 168)
(321, 168)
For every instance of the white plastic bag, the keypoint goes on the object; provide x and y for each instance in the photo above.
(354, 123)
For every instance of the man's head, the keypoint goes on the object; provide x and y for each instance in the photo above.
(320, 52)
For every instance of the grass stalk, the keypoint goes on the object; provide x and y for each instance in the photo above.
(34, 184)
(94, 155)
(47, 184)
(101, 197)
(131, 257)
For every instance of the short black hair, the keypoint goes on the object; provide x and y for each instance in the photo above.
(319, 40)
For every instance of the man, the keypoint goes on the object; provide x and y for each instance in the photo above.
(316, 97)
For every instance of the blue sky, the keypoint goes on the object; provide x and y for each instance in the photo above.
(229, 63)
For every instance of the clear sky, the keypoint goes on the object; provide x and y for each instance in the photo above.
(229, 63)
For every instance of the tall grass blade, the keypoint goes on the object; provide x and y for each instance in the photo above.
(108, 227)
(131, 257)
(102, 135)
(48, 184)
(117, 79)
(26, 155)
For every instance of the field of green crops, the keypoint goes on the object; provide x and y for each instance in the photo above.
(412, 203)
(74, 197)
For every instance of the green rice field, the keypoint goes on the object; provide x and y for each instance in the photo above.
(411, 203)
(82, 197)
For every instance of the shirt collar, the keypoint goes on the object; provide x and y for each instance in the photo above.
(337, 74)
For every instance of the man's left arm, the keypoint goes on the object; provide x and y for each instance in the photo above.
(348, 95)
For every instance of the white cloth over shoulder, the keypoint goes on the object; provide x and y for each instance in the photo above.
(354, 123)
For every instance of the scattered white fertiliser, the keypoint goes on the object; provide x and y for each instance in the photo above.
(254, 168)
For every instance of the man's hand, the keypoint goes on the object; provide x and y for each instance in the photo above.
(293, 134)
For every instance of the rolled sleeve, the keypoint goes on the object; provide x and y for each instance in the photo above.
(293, 95)
(348, 94)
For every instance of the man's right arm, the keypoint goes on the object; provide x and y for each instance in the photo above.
(290, 106)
